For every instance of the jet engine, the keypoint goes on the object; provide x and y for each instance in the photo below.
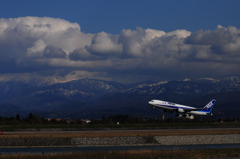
(189, 116)
(180, 110)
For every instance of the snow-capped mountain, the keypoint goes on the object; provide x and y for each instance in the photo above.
(97, 97)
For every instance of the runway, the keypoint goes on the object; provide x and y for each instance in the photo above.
(41, 150)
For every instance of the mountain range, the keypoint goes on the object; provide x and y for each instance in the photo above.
(92, 98)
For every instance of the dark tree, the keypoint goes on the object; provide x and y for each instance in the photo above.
(18, 118)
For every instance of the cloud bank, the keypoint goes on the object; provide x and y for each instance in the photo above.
(56, 50)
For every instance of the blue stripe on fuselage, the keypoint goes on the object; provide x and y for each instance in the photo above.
(175, 107)
(206, 110)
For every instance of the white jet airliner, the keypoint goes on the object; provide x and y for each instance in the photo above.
(186, 110)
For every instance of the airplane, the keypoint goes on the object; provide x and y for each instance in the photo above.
(187, 111)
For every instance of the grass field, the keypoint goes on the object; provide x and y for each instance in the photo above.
(144, 154)
(118, 133)
(99, 126)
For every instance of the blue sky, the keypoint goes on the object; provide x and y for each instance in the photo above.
(112, 15)
(126, 41)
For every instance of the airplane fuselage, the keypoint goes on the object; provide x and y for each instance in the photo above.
(173, 107)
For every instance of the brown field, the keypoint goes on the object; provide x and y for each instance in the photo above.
(118, 133)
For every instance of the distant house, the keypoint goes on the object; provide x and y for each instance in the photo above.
(86, 121)
(58, 119)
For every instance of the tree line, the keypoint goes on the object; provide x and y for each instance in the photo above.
(115, 119)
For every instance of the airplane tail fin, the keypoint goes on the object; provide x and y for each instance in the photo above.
(209, 106)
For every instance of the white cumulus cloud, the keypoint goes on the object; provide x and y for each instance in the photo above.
(42, 44)
(105, 44)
